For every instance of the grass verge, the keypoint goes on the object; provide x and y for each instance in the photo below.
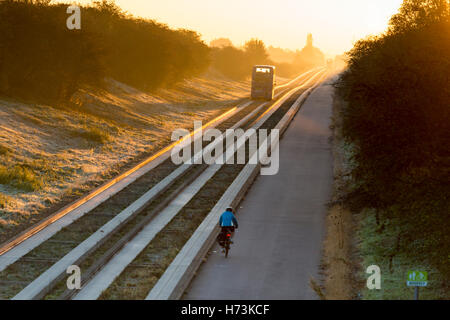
(394, 269)
(356, 241)
(340, 263)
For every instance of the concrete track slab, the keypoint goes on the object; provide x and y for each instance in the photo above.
(278, 245)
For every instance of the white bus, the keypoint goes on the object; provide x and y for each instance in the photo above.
(263, 82)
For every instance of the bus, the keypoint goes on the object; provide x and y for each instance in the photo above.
(263, 82)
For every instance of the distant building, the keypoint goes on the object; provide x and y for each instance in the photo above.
(309, 40)
(309, 56)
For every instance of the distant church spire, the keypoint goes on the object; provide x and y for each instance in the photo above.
(309, 40)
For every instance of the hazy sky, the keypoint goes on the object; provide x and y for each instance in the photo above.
(335, 24)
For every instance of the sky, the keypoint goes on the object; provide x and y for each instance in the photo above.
(335, 24)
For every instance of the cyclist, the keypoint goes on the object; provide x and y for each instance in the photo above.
(228, 223)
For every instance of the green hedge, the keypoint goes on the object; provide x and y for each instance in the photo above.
(41, 59)
(398, 116)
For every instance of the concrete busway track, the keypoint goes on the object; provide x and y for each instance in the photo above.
(35, 235)
(281, 221)
(39, 238)
(181, 271)
(94, 288)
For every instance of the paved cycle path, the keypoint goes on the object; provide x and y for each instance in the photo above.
(277, 247)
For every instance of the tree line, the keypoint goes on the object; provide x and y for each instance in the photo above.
(40, 58)
(236, 63)
(397, 89)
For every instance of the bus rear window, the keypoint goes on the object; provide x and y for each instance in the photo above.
(263, 70)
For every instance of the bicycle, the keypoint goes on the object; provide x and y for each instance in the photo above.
(225, 241)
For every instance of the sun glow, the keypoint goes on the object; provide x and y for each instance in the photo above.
(335, 25)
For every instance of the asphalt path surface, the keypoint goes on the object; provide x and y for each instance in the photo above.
(277, 248)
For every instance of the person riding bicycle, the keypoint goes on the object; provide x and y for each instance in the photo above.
(228, 223)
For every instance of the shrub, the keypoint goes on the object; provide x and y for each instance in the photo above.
(231, 62)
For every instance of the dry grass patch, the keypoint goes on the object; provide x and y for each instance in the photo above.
(94, 135)
(21, 178)
(4, 150)
(340, 271)
(339, 262)
(4, 200)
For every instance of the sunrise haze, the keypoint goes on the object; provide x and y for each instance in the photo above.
(335, 25)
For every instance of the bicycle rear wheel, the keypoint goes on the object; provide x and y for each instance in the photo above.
(227, 249)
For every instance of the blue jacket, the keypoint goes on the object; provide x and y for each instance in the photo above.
(227, 219)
